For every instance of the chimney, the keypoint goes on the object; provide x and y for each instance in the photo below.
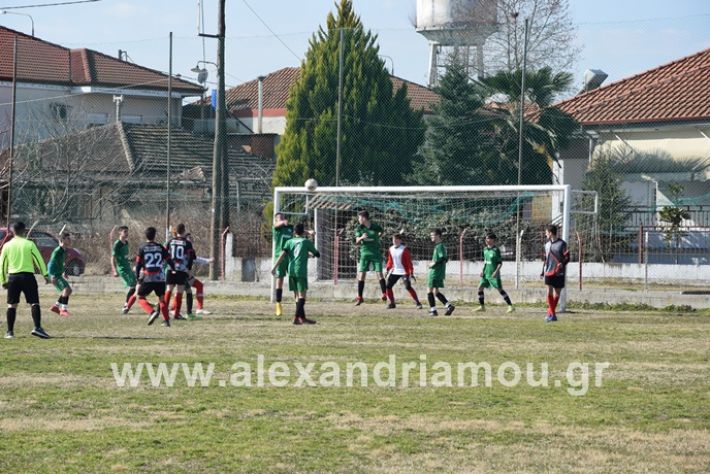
(260, 105)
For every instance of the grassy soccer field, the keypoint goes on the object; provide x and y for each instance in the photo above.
(62, 411)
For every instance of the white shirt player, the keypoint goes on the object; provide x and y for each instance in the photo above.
(400, 260)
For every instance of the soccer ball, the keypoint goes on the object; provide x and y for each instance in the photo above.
(311, 184)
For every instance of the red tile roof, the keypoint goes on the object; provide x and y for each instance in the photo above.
(40, 61)
(675, 92)
(244, 97)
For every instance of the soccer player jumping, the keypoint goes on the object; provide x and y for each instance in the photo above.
(556, 260)
(367, 235)
(282, 233)
(296, 250)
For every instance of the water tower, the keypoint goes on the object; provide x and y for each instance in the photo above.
(458, 27)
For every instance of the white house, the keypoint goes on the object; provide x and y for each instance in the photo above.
(61, 90)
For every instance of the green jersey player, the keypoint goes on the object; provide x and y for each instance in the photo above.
(296, 250)
(56, 275)
(122, 266)
(282, 233)
(367, 235)
(437, 274)
(490, 275)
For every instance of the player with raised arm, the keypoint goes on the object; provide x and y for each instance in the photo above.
(56, 275)
(150, 274)
(121, 266)
(282, 233)
(556, 260)
(437, 274)
(399, 265)
(367, 235)
(297, 250)
(490, 275)
(182, 255)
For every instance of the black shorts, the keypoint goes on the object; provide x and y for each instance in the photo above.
(147, 288)
(177, 278)
(18, 283)
(393, 279)
(555, 281)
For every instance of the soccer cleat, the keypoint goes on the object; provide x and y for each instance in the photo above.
(279, 309)
(165, 324)
(481, 308)
(55, 308)
(64, 313)
(419, 306)
(449, 309)
(191, 316)
(384, 296)
(125, 309)
(298, 321)
(201, 311)
(9, 335)
(308, 321)
(153, 316)
(550, 318)
(391, 306)
(511, 308)
(179, 317)
(41, 333)
(433, 312)
(358, 301)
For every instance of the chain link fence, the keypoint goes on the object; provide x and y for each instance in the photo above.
(92, 142)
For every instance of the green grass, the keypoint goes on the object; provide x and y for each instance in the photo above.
(61, 410)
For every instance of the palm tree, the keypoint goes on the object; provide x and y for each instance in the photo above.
(546, 130)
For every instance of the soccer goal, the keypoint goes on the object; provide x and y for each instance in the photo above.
(465, 214)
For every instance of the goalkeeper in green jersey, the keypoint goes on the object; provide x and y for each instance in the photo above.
(56, 275)
(367, 236)
(490, 275)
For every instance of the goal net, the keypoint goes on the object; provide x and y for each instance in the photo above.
(465, 214)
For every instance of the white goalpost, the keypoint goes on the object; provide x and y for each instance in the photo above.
(464, 212)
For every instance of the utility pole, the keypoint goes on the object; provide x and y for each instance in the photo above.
(170, 126)
(338, 139)
(220, 168)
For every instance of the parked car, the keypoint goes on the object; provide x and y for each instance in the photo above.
(74, 264)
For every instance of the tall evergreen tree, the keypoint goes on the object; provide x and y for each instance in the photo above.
(456, 136)
(380, 132)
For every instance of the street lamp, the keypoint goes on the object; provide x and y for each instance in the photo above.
(202, 75)
(5, 12)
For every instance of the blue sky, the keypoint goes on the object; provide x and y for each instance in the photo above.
(622, 37)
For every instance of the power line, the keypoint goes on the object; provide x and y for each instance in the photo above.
(272, 31)
(48, 4)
